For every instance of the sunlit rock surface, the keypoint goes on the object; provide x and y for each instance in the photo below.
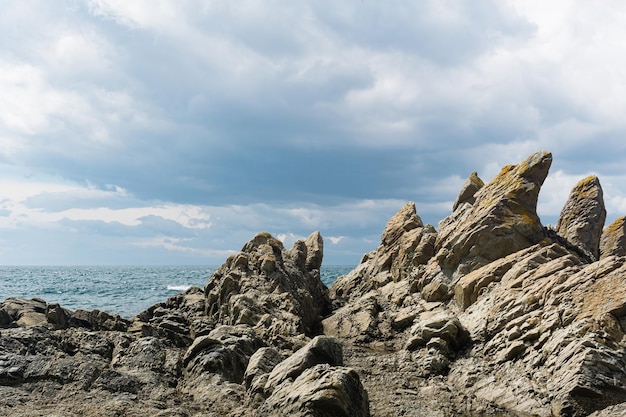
(491, 315)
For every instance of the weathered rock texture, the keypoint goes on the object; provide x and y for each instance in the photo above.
(502, 220)
(227, 351)
(277, 291)
(470, 187)
(512, 315)
(613, 241)
(583, 216)
(492, 315)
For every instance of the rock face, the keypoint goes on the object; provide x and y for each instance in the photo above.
(278, 291)
(229, 350)
(405, 243)
(512, 315)
(613, 241)
(492, 315)
(367, 298)
(583, 216)
(470, 187)
(502, 220)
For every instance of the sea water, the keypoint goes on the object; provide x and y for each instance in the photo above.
(123, 290)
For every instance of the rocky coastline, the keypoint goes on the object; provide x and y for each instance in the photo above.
(490, 314)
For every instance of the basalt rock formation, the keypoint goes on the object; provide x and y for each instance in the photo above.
(492, 314)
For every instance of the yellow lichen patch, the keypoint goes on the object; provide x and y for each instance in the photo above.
(616, 226)
(587, 188)
(476, 179)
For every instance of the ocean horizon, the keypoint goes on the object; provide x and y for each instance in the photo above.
(117, 289)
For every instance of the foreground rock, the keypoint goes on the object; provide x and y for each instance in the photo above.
(491, 315)
(230, 350)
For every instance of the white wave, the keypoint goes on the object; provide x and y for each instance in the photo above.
(178, 287)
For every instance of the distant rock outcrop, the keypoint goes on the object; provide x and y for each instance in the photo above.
(277, 291)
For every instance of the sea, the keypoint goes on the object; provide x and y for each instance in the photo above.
(123, 290)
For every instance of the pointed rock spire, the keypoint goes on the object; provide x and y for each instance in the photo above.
(314, 251)
(404, 220)
(470, 187)
(613, 241)
(502, 220)
(582, 218)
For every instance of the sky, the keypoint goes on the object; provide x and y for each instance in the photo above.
(171, 132)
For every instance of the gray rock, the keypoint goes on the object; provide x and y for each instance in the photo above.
(322, 349)
(502, 220)
(24, 312)
(405, 244)
(582, 218)
(320, 391)
(261, 363)
(470, 187)
(278, 291)
(613, 241)
(442, 326)
(225, 351)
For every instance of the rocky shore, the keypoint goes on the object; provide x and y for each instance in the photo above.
(490, 314)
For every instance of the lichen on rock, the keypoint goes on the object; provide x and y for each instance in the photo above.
(492, 315)
(582, 218)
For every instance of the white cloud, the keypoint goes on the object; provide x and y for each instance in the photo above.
(336, 239)
(197, 120)
(177, 245)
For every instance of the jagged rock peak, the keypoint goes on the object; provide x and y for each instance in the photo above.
(502, 220)
(315, 251)
(470, 187)
(264, 285)
(308, 254)
(404, 220)
(520, 182)
(613, 241)
(406, 243)
(582, 218)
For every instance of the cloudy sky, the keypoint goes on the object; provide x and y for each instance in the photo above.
(171, 132)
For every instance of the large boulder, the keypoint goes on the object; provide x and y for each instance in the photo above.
(322, 349)
(313, 382)
(320, 391)
(582, 218)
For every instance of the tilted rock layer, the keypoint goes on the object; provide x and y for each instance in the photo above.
(512, 314)
(492, 315)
